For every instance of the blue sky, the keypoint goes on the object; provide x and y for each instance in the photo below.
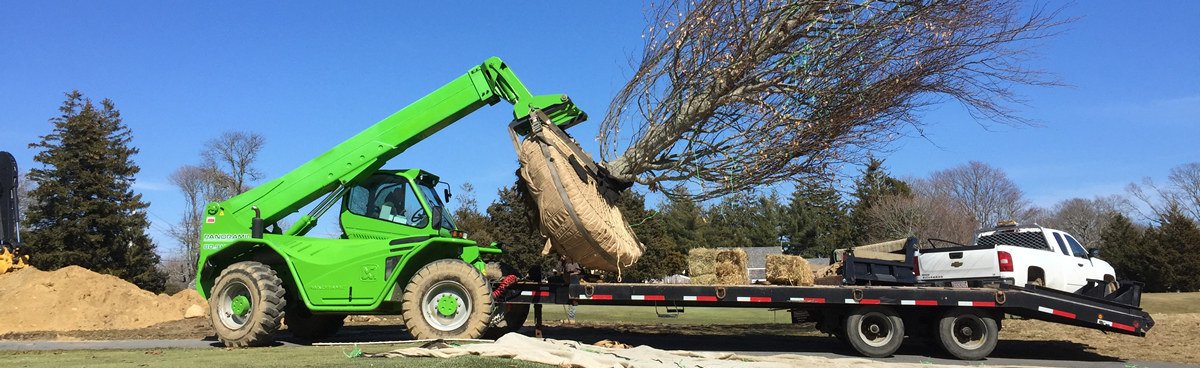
(308, 75)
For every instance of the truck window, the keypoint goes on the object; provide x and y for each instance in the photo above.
(1061, 246)
(1033, 240)
(1076, 248)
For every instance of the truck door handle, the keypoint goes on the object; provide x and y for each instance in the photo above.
(1080, 264)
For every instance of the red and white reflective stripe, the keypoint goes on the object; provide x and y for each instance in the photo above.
(1056, 312)
(918, 302)
(702, 298)
(1115, 325)
(754, 299)
(863, 301)
(808, 300)
(531, 293)
(595, 297)
(648, 297)
(977, 304)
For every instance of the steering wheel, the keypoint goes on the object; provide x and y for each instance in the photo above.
(417, 217)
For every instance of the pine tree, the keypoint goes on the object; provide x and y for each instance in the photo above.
(1122, 246)
(513, 221)
(683, 222)
(84, 212)
(662, 256)
(816, 221)
(873, 185)
(1176, 241)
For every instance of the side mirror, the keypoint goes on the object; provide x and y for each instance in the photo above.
(435, 218)
(447, 193)
(1094, 253)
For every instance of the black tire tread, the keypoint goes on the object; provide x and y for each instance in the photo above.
(427, 276)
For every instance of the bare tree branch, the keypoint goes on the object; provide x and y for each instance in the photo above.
(736, 94)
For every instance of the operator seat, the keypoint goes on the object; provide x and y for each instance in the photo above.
(393, 207)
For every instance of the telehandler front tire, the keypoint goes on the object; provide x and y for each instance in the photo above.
(246, 305)
(447, 299)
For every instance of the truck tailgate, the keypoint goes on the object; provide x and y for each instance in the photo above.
(968, 262)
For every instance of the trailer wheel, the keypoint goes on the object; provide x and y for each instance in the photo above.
(447, 299)
(508, 318)
(874, 331)
(305, 325)
(246, 305)
(968, 333)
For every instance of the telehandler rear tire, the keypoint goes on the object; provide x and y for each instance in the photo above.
(447, 299)
(246, 305)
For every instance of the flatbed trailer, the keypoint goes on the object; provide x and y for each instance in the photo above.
(964, 322)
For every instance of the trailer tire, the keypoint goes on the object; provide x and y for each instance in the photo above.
(874, 331)
(968, 333)
(447, 299)
(246, 305)
(512, 319)
(305, 325)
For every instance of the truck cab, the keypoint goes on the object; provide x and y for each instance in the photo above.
(1015, 254)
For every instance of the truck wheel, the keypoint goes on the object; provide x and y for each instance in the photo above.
(968, 333)
(447, 299)
(305, 325)
(874, 331)
(509, 318)
(246, 305)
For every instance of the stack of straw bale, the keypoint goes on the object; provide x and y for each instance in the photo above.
(718, 267)
(788, 270)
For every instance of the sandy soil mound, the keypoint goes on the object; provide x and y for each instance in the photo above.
(74, 298)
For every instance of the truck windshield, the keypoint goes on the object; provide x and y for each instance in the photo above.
(435, 203)
(1033, 240)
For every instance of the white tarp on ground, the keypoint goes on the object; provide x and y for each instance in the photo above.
(564, 353)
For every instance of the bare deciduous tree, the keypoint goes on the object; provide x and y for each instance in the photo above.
(1086, 218)
(1182, 191)
(233, 154)
(926, 214)
(980, 191)
(24, 199)
(735, 94)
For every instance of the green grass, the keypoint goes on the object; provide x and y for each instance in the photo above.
(647, 315)
(1171, 303)
(321, 356)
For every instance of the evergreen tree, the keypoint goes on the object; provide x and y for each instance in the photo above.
(513, 221)
(816, 220)
(728, 222)
(1122, 246)
(662, 256)
(683, 222)
(84, 212)
(1176, 241)
(469, 219)
(873, 185)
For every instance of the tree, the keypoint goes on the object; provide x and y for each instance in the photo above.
(24, 198)
(872, 187)
(1177, 240)
(1085, 218)
(468, 217)
(683, 222)
(736, 94)
(981, 191)
(662, 257)
(83, 211)
(816, 224)
(1182, 192)
(1121, 244)
(229, 160)
(515, 224)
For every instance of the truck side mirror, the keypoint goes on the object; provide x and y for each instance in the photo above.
(435, 218)
(447, 193)
(1094, 253)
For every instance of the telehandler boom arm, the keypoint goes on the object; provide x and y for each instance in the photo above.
(358, 157)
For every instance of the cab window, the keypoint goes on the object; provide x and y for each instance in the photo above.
(1061, 246)
(388, 198)
(1076, 248)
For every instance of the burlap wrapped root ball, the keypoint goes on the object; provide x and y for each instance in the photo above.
(615, 245)
(788, 270)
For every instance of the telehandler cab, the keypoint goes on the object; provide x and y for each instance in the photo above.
(401, 253)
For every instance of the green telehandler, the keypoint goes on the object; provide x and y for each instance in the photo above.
(401, 252)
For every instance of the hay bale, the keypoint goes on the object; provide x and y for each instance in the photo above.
(702, 261)
(732, 267)
(788, 270)
(709, 279)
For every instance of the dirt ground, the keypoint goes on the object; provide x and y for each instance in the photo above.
(1171, 340)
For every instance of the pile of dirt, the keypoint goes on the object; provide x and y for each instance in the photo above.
(718, 267)
(74, 298)
(788, 270)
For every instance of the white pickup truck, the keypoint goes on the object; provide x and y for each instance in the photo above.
(1016, 254)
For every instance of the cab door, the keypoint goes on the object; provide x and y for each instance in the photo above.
(1081, 262)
